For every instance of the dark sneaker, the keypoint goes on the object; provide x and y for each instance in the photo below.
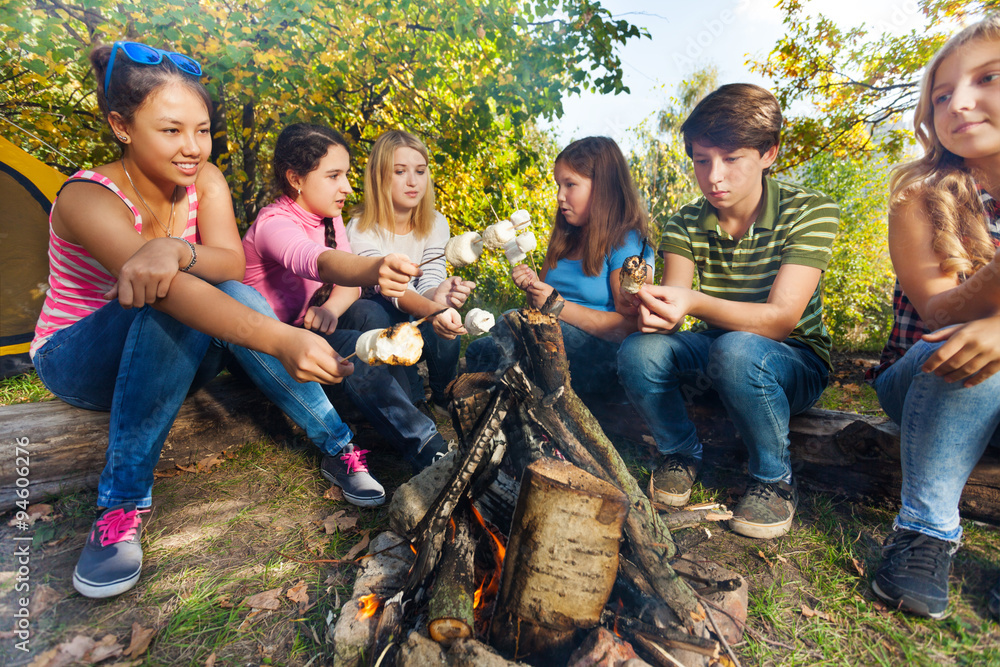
(672, 481)
(112, 558)
(766, 510)
(349, 471)
(914, 573)
(995, 601)
(432, 451)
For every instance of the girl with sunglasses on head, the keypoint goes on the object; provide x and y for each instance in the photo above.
(145, 300)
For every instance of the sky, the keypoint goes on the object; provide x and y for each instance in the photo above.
(688, 35)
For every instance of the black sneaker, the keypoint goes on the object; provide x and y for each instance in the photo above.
(995, 601)
(349, 471)
(432, 451)
(673, 480)
(914, 573)
(112, 558)
(766, 510)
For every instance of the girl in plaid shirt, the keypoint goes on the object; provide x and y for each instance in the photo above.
(938, 378)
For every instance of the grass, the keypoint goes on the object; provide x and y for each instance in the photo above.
(24, 388)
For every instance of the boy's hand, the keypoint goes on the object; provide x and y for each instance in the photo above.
(662, 309)
(453, 292)
(320, 319)
(971, 353)
(448, 325)
(394, 273)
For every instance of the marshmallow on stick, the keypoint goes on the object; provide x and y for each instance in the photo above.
(633, 274)
(398, 345)
(514, 253)
(520, 219)
(497, 235)
(479, 321)
(464, 249)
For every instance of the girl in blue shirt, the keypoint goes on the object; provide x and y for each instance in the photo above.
(599, 223)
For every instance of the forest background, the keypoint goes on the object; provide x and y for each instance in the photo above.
(474, 79)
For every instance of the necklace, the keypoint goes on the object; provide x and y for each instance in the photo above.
(173, 201)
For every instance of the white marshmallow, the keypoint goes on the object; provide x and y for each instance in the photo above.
(520, 219)
(514, 253)
(527, 242)
(479, 321)
(464, 249)
(399, 345)
(495, 236)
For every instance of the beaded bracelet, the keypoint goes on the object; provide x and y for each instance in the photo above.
(194, 254)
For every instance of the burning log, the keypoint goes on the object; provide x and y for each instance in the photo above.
(562, 561)
(452, 598)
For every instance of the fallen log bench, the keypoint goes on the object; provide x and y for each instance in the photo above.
(66, 445)
(835, 452)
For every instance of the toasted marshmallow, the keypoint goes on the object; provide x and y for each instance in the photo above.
(633, 274)
(527, 242)
(514, 253)
(479, 321)
(496, 236)
(520, 219)
(399, 345)
(464, 249)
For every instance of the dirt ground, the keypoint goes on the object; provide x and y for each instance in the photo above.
(223, 582)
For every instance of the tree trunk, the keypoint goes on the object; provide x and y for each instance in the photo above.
(562, 559)
(451, 615)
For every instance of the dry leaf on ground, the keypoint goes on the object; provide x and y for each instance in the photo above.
(43, 598)
(209, 462)
(339, 521)
(298, 593)
(334, 493)
(140, 640)
(266, 600)
(764, 558)
(80, 649)
(166, 474)
(225, 601)
(858, 567)
(809, 612)
(359, 547)
(40, 512)
(210, 661)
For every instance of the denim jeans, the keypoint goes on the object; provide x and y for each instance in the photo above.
(140, 363)
(761, 382)
(440, 354)
(592, 365)
(945, 427)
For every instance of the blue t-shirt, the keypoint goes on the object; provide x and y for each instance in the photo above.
(596, 292)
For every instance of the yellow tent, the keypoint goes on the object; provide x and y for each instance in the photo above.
(27, 189)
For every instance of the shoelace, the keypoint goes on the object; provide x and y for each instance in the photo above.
(916, 551)
(676, 464)
(355, 460)
(118, 526)
(762, 491)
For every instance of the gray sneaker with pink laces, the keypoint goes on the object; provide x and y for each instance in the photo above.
(349, 471)
(112, 557)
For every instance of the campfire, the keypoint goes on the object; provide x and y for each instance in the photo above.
(534, 537)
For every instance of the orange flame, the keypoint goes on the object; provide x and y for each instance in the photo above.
(479, 595)
(367, 606)
(617, 612)
(501, 551)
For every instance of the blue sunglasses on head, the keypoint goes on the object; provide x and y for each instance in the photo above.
(141, 54)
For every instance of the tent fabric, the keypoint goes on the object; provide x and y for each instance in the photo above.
(27, 190)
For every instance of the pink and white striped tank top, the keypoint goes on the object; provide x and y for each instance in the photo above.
(77, 282)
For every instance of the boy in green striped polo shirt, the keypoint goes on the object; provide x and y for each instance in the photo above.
(760, 247)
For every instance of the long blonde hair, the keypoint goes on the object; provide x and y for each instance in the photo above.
(940, 181)
(377, 211)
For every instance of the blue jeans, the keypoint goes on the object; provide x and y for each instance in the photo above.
(140, 363)
(440, 354)
(761, 382)
(945, 428)
(591, 359)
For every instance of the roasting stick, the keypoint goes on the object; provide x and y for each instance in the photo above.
(415, 323)
(432, 259)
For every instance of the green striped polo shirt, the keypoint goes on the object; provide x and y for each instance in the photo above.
(796, 226)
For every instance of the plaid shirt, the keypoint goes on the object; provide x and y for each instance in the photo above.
(907, 327)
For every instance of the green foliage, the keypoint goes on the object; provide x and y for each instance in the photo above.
(857, 297)
(469, 78)
(859, 83)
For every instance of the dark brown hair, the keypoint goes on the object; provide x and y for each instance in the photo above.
(299, 149)
(131, 84)
(734, 116)
(615, 208)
